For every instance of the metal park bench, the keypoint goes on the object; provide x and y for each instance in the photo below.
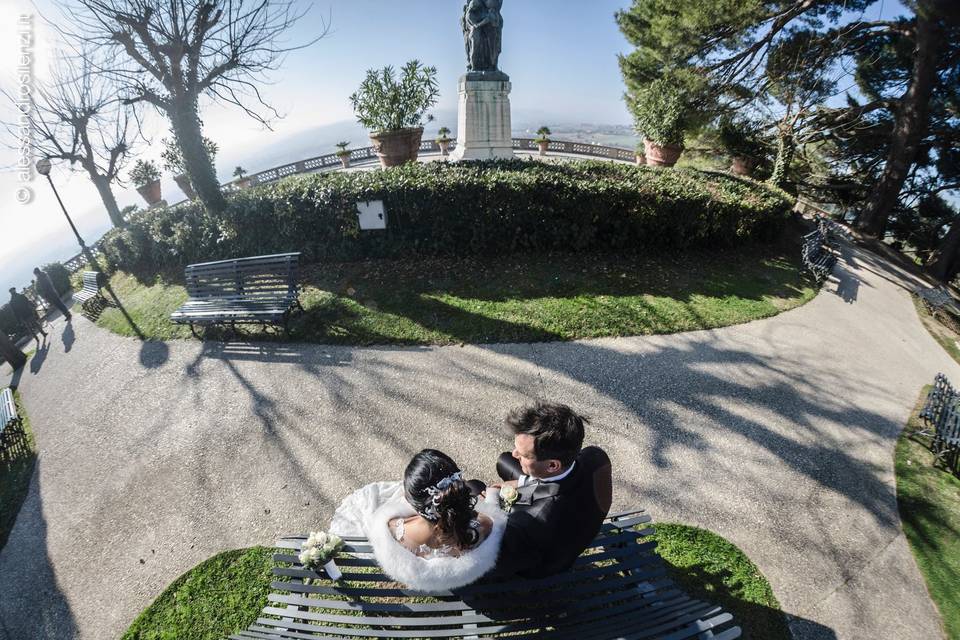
(941, 415)
(817, 256)
(8, 414)
(92, 283)
(259, 290)
(941, 305)
(618, 588)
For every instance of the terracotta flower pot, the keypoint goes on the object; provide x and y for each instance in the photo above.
(661, 155)
(444, 147)
(150, 192)
(742, 165)
(543, 144)
(344, 159)
(397, 147)
(183, 181)
(641, 159)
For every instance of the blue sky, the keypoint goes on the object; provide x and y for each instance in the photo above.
(561, 57)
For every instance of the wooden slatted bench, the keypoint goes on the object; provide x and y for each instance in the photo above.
(618, 588)
(92, 283)
(258, 290)
(817, 256)
(8, 414)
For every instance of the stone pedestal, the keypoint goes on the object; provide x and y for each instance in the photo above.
(484, 129)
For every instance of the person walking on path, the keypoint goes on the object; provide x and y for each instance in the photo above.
(48, 291)
(26, 313)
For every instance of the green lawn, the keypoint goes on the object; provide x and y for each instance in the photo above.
(16, 468)
(214, 599)
(929, 502)
(712, 569)
(510, 299)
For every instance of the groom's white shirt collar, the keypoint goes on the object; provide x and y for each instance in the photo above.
(524, 480)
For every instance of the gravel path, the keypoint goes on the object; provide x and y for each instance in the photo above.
(776, 434)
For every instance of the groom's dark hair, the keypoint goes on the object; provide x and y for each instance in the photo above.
(557, 430)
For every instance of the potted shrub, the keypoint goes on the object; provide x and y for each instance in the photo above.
(641, 154)
(146, 178)
(662, 113)
(543, 139)
(743, 140)
(239, 173)
(393, 109)
(172, 158)
(344, 154)
(444, 140)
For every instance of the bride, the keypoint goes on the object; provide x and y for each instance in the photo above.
(428, 532)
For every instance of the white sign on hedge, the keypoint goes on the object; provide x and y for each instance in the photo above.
(372, 215)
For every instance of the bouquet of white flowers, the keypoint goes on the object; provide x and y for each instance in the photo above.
(318, 551)
(508, 495)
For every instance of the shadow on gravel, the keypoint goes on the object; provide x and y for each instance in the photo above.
(757, 621)
(32, 605)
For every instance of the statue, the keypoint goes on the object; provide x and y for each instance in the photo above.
(482, 34)
(483, 115)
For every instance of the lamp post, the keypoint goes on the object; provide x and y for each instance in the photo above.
(43, 168)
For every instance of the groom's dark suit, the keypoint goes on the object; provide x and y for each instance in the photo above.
(551, 523)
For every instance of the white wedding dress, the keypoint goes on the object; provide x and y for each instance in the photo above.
(367, 512)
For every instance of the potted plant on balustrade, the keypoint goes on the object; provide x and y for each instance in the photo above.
(172, 158)
(146, 178)
(664, 110)
(744, 142)
(543, 139)
(344, 154)
(444, 140)
(394, 109)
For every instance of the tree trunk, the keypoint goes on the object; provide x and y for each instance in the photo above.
(199, 165)
(943, 262)
(106, 194)
(10, 352)
(785, 149)
(911, 119)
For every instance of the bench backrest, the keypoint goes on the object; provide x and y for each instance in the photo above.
(92, 280)
(948, 424)
(8, 408)
(618, 585)
(248, 278)
(813, 245)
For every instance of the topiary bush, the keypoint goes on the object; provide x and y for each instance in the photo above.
(59, 276)
(485, 208)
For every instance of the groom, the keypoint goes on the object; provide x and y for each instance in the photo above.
(564, 491)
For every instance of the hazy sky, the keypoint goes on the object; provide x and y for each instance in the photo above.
(561, 57)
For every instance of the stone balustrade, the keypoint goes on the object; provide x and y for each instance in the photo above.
(331, 161)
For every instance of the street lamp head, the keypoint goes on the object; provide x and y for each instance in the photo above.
(43, 166)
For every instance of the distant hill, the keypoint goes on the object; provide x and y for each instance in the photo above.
(321, 140)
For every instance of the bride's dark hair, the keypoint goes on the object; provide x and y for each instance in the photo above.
(450, 507)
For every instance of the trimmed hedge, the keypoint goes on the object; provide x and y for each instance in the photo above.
(457, 209)
(59, 276)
